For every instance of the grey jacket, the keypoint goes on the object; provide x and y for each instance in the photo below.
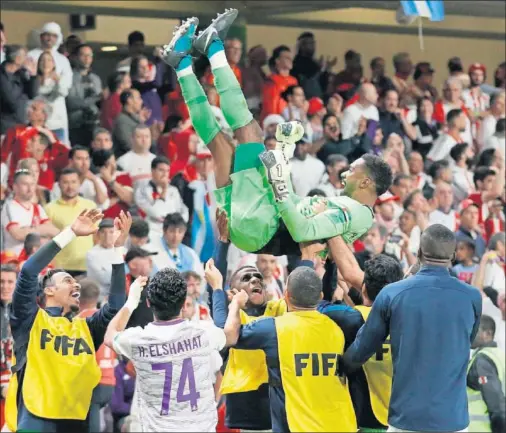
(82, 99)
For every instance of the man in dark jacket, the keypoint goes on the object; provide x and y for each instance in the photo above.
(486, 381)
(17, 85)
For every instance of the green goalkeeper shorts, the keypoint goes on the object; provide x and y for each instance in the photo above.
(249, 201)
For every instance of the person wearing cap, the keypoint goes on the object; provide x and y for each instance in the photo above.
(50, 39)
(316, 112)
(455, 67)
(137, 161)
(280, 63)
(422, 78)
(270, 124)
(98, 258)
(469, 228)
(55, 370)
(437, 314)
(140, 264)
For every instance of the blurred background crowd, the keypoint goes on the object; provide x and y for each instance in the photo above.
(122, 140)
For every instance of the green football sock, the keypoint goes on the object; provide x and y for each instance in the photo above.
(203, 119)
(232, 101)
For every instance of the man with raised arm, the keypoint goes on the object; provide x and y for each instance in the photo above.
(56, 370)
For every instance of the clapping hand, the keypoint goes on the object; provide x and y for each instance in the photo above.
(213, 275)
(122, 226)
(86, 223)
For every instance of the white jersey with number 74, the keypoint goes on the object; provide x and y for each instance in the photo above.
(176, 364)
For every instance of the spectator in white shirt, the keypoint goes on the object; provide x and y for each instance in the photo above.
(498, 140)
(456, 124)
(463, 184)
(21, 216)
(172, 252)
(137, 162)
(92, 187)
(50, 39)
(365, 107)
(157, 198)
(416, 169)
(98, 259)
(444, 214)
(267, 265)
(497, 111)
(331, 182)
(307, 171)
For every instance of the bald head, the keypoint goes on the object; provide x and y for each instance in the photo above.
(304, 288)
(437, 245)
(368, 94)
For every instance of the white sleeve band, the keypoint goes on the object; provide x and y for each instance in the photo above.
(64, 238)
(117, 258)
(131, 304)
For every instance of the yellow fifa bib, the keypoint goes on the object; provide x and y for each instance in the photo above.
(61, 369)
(379, 372)
(247, 369)
(317, 398)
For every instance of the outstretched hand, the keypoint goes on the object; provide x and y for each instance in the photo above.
(122, 226)
(213, 275)
(86, 223)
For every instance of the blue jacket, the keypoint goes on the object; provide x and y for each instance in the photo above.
(432, 318)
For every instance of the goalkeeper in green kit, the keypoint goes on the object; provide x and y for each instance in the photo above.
(253, 185)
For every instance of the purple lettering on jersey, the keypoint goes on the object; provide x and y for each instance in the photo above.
(180, 347)
(196, 342)
(187, 375)
(172, 348)
(187, 344)
(167, 385)
(142, 351)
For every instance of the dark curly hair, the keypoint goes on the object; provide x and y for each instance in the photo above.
(379, 272)
(166, 293)
(380, 172)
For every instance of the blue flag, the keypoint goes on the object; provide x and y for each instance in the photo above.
(433, 10)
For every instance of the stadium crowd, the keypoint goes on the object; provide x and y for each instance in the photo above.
(127, 147)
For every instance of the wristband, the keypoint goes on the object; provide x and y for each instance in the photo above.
(131, 304)
(64, 238)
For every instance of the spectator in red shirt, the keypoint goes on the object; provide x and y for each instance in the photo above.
(111, 107)
(119, 184)
(233, 51)
(280, 79)
(489, 186)
(495, 221)
(40, 144)
(15, 142)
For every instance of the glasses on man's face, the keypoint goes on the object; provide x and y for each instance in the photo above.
(246, 278)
